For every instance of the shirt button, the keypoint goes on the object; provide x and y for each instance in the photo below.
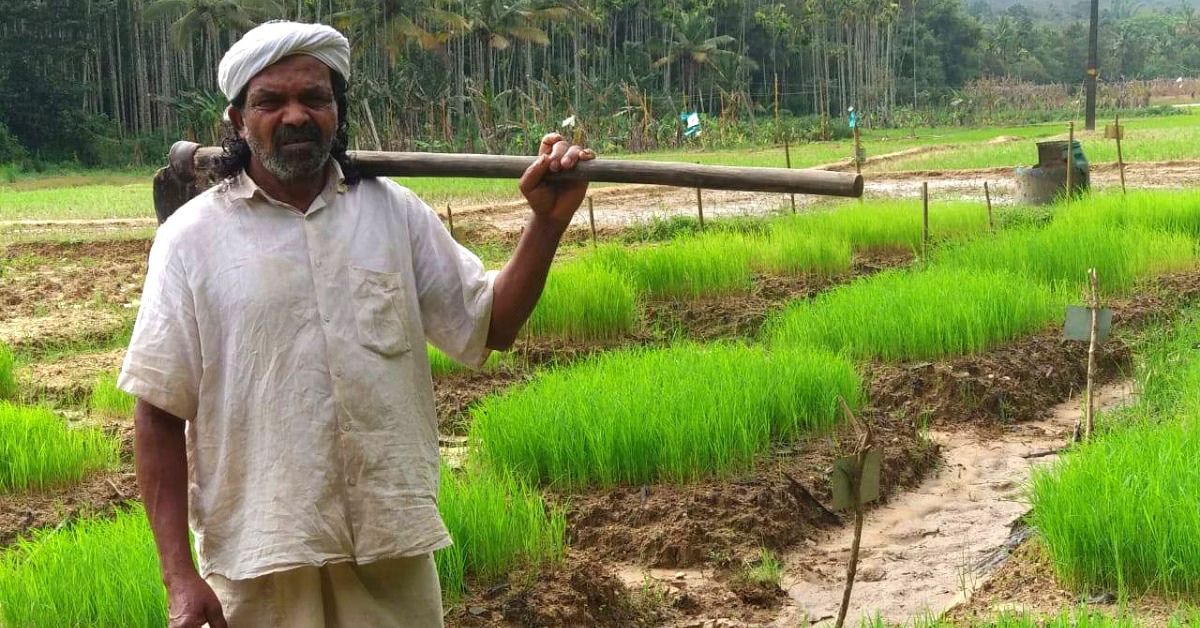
(351, 481)
(318, 263)
(345, 426)
(325, 318)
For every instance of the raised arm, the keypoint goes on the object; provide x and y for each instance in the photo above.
(519, 286)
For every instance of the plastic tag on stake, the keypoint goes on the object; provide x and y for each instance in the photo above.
(1114, 131)
(842, 478)
(1078, 325)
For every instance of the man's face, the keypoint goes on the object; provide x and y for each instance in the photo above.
(290, 117)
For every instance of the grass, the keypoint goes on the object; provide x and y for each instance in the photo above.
(907, 315)
(109, 401)
(1175, 211)
(640, 415)
(38, 450)
(766, 569)
(707, 264)
(789, 250)
(95, 572)
(8, 378)
(1063, 253)
(498, 524)
(1118, 512)
(584, 301)
(1080, 617)
(890, 225)
(441, 364)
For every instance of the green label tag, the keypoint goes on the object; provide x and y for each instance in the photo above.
(842, 478)
(1078, 325)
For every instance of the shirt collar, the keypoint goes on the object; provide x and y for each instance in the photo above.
(244, 188)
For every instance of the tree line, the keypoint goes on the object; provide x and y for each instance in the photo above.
(114, 81)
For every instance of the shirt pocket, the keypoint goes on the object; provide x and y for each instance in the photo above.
(378, 300)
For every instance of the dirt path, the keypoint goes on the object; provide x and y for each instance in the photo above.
(930, 548)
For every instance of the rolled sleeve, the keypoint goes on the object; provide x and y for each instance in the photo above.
(453, 287)
(163, 364)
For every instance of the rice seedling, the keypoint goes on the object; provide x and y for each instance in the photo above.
(498, 524)
(707, 264)
(791, 250)
(1062, 254)
(38, 450)
(1081, 617)
(95, 572)
(8, 378)
(904, 315)
(1118, 512)
(441, 364)
(109, 401)
(584, 301)
(890, 225)
(1165, 210)
(676, 414)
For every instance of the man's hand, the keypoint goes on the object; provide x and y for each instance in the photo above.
(191, 603)
(555, 201)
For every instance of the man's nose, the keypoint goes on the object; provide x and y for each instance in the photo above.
(295, 114)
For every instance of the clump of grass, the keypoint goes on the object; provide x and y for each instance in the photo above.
(498, 524)
(1118, 512)
(766, 569)
(707, 264)
(38, 450)
(676, 414)
(892, 225)
(8, 378)
(584, 301)
(791, 249)
(108, 400)
(1166, 210)
(1062, 254)
(95, 572)
(902, 315)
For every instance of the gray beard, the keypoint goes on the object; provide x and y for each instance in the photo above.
(291, 170)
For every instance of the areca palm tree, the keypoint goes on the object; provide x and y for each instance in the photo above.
(190, 18)
(692, 46)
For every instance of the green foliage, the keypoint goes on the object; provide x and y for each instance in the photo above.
(891, 225)
(8, 378)
(109, 401)
(1118, 511)
(441, 364)
(1176, 211)
(498, 524)
(1062, 254)
(706, 264)
(38, 450)
(95, 572)
(584, 301)
(641, 415)
(903, 315)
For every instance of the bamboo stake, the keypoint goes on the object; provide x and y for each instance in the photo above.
(592, 219)
(1071, 161)
(1094, 306)
(866, 441)
(787, 155)
(700, 207)
(450, 219)
(857, 151)
(924, 219)
(1120, 159)
(988, 196)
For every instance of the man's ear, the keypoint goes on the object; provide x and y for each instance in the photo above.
(234, 116)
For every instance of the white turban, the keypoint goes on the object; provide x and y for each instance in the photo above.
(272, 41)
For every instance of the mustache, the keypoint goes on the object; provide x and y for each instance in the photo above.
(285, 135)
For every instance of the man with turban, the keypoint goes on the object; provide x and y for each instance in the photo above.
(285, 407)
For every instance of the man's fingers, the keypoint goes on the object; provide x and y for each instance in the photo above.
(548, 142)
(533, 174)
(557, 153)
(587, 154)
(571, 158)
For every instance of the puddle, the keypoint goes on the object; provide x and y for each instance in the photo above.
(932, 547)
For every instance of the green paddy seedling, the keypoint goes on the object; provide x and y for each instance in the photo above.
(39, 450)
(109, 401)
(677, 414)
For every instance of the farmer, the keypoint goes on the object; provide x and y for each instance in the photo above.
(285, 407)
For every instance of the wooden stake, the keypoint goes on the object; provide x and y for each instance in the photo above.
(592, 219)
(450, 219)
(924, 219)
(857, 152)
(1071, 161)
(866, 441)
(700, 207)
(787, 155)
(776, 101)
(1094, 306)
(987, 195)
(1120, 160)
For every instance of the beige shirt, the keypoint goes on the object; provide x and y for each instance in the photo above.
(294, 345)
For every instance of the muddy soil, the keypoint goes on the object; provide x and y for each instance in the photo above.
(49, 276)
(933, 546)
